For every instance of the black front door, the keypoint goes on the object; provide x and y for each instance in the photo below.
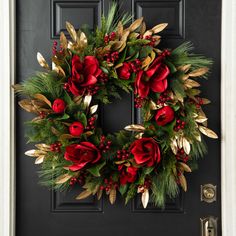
(44, 213)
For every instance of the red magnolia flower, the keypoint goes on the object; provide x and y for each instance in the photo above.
(155, 78)
(76, 128)
(84, 74)
(129, 175)
(146, 151)
(124, 71)
(82, 154)
(164, 115)
(58, 105)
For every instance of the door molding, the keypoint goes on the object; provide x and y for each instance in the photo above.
(7, 134)
(228, 118)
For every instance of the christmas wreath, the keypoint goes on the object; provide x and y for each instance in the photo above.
(89, 69)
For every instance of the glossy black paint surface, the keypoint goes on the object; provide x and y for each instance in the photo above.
(43, 213)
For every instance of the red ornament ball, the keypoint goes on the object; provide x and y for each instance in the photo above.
(76, 128)
(58, 106)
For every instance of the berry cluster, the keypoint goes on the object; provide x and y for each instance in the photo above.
(165, 53)
(56, 147)
(164, 97)
(199, 103)
(54, 48)
(181, 155)
(91, 123)
(108, 183)
(179, 125)
(122, 154)
(103, 78)
(109, 37)
(147, 184)
(139, 102)
(111, 57)
(42, 114)
(80, 180)
(92, 90)
(136, 65)
(104, 144)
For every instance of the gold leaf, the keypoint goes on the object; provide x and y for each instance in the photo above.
(66, 136)
(84, 194)
(31, 153)
(125, 35)
(201, 119)
(88, 133)
(185, 77)
(186, 146)
(134, 127)
(71, 30)
(62, 179)
(93, 109)
(184, 68)
(148, 33)
(87, 100)
(199, 72)
(39, 160)
(174, 146)
(63, 40)
(78, 99)
(95, 189)
(146, 62)
(26, 105)
(122, 47)
(35, 153)
(180, 142)
(99, 194)
(179, 96)
(59, 70)
(139, 135)
(208, 132)
(152, 105)
(184, 167)
(183, 182)
(118, 65)
(120, 29)
(189, 83)
(42, 62)
(198, 137)
(205, 101)
(43, 146)
(134, 35)
(43, 98)
(136, 24)
(117, 45)
(82, 40)
(143, 28)
(55, 131)
(158, 28)
(112, 196)
(153, 56)
(145, 198)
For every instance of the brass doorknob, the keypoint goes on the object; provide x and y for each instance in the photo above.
(208, 193)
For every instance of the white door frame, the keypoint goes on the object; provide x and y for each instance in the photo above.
(228, 115)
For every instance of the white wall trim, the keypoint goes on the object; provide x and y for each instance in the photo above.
(7, 68)
(228, 115)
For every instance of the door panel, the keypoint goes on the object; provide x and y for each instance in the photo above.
(41, 212)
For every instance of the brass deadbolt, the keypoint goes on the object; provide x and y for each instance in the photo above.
(208, 193)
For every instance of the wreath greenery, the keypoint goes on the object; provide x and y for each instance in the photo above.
(90, 69)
